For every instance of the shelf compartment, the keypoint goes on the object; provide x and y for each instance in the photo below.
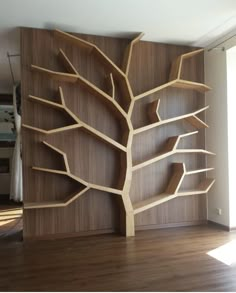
(79, 123)
(56, 203)
(190, 118)
(172, 190)
(171, 149)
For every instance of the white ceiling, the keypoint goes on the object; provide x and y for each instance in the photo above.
(190, 22)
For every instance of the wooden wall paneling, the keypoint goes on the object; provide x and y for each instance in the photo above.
(142, 59)
(84, 149)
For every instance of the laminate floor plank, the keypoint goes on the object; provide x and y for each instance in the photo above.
(173, 259)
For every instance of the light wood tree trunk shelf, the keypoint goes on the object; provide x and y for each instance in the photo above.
(124, 115)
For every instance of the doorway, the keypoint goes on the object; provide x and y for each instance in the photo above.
(10, 210)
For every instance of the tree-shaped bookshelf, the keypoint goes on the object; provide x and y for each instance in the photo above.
(123, 113)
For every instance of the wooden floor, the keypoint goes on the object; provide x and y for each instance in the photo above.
(157, 260)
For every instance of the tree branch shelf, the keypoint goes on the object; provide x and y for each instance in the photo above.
(121, 75)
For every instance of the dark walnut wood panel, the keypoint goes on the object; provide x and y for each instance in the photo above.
(93, 160)
(170, 260)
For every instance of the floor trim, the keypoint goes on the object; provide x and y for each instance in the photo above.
(67, 235)
(171, 225)
(109, 231)
(223, 227)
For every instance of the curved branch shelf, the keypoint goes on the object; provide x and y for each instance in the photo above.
(177, 65)
(172, 190)
(171, 149)
(79, 123)
(86, 185)
(104, 59)
(81, 181)
(176, 83)
(113, 105)
(175, 78)
(91, 48)
(190, 118)
(128, 53)
(55, 203)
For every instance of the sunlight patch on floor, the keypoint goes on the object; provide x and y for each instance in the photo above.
(3, 223)
(225, 253)
(9, 217)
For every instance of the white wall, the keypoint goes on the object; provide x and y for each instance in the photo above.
(218, 118)
(231, 88)
(216, 135)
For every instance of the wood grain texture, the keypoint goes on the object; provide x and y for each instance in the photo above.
(169, 260)
(91, 159)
